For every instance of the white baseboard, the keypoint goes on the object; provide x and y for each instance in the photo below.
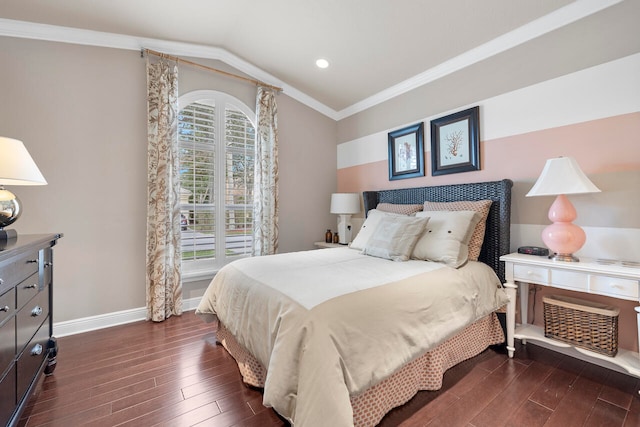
(86, 324)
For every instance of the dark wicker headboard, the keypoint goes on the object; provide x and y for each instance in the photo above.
(497, 235)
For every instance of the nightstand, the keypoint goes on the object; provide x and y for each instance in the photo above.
(600, 277)
(325, 245)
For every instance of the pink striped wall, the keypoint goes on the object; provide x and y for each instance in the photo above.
(606, 145)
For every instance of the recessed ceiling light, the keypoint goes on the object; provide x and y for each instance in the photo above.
(322, 63)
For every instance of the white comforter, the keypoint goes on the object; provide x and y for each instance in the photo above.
(330, 323)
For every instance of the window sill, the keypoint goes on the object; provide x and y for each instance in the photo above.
(193, 275)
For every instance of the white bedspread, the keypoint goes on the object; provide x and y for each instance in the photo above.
(330, 323)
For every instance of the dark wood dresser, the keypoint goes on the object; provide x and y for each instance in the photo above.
(26, 326)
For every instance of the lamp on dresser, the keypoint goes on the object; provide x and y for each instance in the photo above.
(345, 205)
(562, 176)
(16, 168)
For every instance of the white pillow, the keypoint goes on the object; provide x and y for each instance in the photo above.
(368, 227)
(395, 237)
(446, 237)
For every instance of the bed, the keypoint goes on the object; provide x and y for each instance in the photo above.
(341, 336)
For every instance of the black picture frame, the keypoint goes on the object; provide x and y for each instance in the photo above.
(455, 141)
(406, 152)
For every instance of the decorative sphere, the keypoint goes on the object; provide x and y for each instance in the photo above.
(9, 208)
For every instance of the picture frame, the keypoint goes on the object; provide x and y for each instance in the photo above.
(455, 141)
(406, 152)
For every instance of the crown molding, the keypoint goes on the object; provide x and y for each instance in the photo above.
(550, 22)
(54, 33)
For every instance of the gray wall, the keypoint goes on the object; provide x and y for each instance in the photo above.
(81, 112)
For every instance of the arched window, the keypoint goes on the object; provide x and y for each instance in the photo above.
(216, 137)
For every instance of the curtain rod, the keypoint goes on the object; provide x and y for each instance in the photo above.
(215, 70)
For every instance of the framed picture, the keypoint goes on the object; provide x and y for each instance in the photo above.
(455, 143)
(406, 152)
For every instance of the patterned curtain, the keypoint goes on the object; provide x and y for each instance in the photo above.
(265, 190)
(164, 286)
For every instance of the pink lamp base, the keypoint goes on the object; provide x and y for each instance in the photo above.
(563, 237)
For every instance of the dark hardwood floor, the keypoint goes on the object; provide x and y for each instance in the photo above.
(173, 374)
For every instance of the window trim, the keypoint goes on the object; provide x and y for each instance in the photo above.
(196, 270)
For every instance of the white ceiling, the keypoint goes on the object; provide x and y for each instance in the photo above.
(377, 48)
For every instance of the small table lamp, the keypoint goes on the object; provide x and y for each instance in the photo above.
(16, 168)
(562, 176)
(345, 204)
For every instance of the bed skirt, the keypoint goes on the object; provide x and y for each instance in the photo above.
(423, 373)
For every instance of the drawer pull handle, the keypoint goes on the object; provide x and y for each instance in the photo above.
(37, 311)
(48, 264)
(5, 308)
(36, 350)
(32, 261)
(33, 286)
(1, 281)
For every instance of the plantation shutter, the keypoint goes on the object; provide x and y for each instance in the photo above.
(240, 155)
(197, 141)
(212, 175)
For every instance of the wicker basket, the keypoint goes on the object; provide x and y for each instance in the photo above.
(582, 323)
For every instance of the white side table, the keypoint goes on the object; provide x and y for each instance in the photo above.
(324, 245)
(601, 277)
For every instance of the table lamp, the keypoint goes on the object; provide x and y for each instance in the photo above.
(345, 204)
(16, 168)
(559, 177)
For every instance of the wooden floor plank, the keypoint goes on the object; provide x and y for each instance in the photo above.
(500, 409)
(421, 417)
(618, 390)
(529, 414)
(604, 414)
(474, 401)
(173, 373)
(577, 404)
(557, 384)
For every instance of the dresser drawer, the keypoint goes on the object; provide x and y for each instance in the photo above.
(27, 290)
(15, 270)
(576, 281)
(30, 317)
(31, 359)
(7, 344)
(7, 395)
(7, 304)
(529, 274)
(615, 287)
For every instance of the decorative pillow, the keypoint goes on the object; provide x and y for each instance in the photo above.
(401, 209)
(480, 206)
(368, 227)
(446, 237)
(395, 237)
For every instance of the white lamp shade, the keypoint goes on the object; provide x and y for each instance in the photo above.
(345, 203)
(562, 175)
(16, 165)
